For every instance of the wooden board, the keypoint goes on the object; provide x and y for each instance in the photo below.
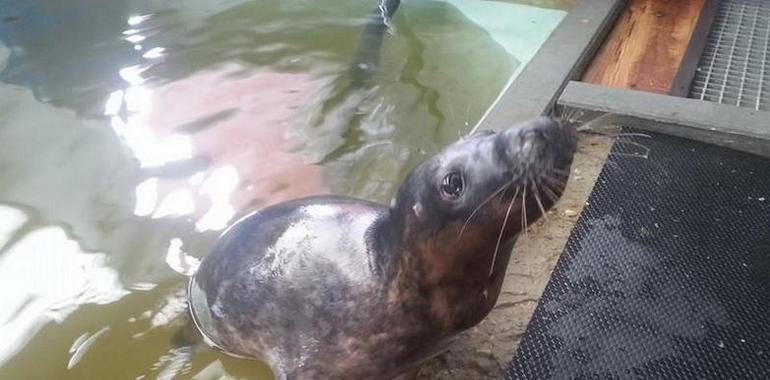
(650, 43)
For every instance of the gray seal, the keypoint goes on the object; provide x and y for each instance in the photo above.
(331, 287)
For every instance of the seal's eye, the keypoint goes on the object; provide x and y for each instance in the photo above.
(452, 185)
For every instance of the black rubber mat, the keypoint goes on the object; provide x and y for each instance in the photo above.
(666, 274)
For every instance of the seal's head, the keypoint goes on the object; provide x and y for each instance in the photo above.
(460, 211)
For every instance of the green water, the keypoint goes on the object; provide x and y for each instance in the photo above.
(133, 130)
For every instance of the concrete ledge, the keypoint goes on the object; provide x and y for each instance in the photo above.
(729, 126)
(563, 57)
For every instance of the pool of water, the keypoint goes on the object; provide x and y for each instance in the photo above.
(132, 132)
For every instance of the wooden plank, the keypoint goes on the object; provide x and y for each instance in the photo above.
(683, 78)
(648, 45)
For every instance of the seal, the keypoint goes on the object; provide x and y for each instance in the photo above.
(331, 287)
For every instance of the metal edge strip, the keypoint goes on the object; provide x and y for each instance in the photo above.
(563, 57)
(733, 127)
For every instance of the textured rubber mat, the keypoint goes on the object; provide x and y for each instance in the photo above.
(666, 274)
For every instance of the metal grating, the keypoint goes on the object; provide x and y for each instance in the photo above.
(734, 66)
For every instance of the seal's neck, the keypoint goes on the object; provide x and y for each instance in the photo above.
(383, 237)
(439, 276)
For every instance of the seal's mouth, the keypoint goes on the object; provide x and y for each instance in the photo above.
(539, 154)
(538, 146)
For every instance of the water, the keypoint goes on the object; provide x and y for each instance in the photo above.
(132, 131)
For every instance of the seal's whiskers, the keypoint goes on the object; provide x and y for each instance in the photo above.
(505, 186)
(548, 192)
(537, 199)
(588, 153)
(644, 148)
(634, 155)
(553, 180)
(571, 115)
(500, 237)
(551, 189)
(614, 121)
(605, 120)
(613, 134)
(561, 172)
(524, 207)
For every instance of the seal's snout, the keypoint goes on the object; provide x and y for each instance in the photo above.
(540, 144)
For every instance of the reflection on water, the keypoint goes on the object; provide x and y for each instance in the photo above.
(81, 345)
(44, 277)
(132, 132)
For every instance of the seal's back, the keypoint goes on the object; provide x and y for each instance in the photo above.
(292, 267)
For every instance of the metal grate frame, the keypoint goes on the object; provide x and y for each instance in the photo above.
(734, 66)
